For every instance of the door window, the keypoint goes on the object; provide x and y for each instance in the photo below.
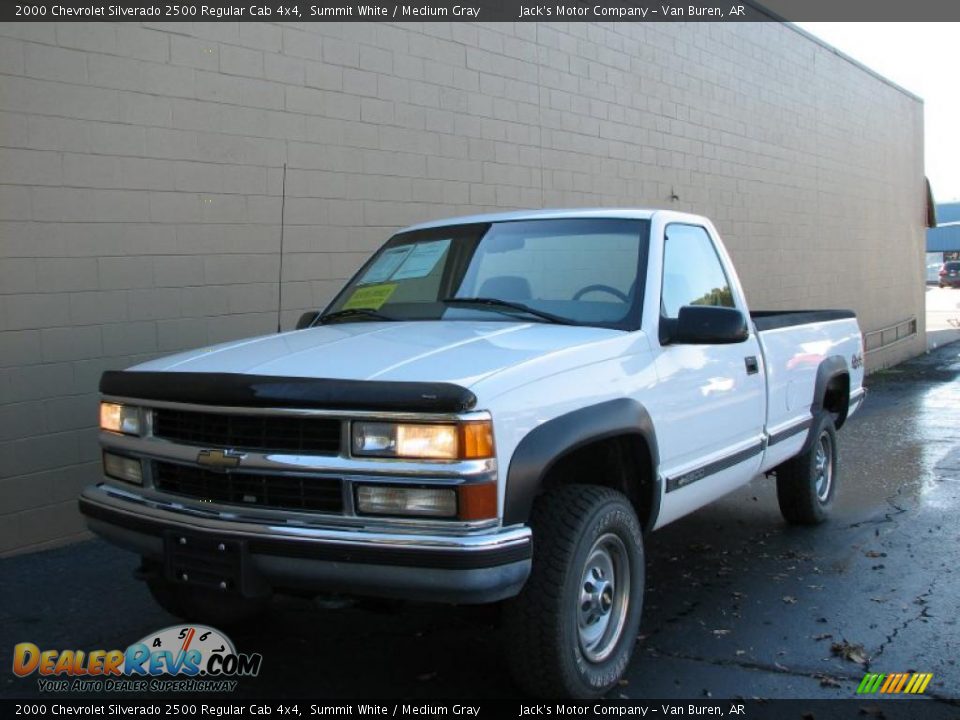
(692, 272)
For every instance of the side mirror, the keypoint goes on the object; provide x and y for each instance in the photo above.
(307, 319)
(708, 325)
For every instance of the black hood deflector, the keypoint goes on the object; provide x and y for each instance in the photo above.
(238, 390)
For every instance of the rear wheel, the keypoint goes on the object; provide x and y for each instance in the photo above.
(807, 483)
(571, 632)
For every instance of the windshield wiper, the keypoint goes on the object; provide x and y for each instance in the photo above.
(507, 307)
(351, 313)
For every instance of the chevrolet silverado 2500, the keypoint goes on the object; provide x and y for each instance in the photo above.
(494, 408)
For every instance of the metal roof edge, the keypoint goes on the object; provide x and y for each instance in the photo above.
(842, 55)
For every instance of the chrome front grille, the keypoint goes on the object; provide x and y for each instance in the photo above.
(256, 433)
(286, 492)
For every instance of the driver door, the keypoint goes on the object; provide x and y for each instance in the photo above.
(710, 411)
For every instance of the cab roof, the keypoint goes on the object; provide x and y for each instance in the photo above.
(557, 214)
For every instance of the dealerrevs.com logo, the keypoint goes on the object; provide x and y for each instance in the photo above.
(180, 658)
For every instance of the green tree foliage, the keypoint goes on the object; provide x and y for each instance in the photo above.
(722, 297)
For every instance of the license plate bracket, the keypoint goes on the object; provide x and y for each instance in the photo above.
(209, 562)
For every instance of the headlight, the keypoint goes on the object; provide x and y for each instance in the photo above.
(120, 418)
(436, 441)
(122, 468)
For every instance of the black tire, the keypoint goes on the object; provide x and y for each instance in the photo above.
(200, 605)
(571, 631)
(807, 483)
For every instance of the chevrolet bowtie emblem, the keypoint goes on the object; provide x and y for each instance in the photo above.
(219, 458)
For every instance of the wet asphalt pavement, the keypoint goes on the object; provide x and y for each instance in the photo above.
(738, 603)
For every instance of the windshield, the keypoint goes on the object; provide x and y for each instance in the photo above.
(575, 271)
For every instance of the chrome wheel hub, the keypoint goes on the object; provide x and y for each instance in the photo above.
(823, 467)
(597, 597)
(604, 597)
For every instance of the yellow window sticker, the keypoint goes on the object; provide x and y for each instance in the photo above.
(370, 297)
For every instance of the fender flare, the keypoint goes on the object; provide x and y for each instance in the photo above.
(547, 443)
(832, 367)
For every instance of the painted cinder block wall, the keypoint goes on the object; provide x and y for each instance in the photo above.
(140, 183)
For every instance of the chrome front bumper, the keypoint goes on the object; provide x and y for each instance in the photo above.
(479, 567)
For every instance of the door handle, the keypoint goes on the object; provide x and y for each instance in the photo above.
(753, 367)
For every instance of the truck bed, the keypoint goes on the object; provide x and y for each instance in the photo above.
(795, 344)
(773, 319)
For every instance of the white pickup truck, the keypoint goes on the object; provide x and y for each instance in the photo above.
(495, 408)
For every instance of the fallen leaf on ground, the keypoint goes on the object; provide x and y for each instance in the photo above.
(849, 651)
(827, 681)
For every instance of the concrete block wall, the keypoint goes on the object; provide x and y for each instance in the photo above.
(141, 177)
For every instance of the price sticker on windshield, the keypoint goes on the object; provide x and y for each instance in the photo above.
(370, 297)
(422, 260)
(385, 265)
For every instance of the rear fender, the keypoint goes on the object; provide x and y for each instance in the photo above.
(833, 367)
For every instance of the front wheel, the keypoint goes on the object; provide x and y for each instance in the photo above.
(806, 484)
(571, 631)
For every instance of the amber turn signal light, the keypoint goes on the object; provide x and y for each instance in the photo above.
(476, 439)
(477, 502)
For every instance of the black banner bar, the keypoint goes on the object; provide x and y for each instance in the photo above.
(480, 10)
(873, 706)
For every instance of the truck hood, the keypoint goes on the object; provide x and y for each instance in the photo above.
(461, 352)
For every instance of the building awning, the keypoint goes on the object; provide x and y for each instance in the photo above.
(944, 238)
